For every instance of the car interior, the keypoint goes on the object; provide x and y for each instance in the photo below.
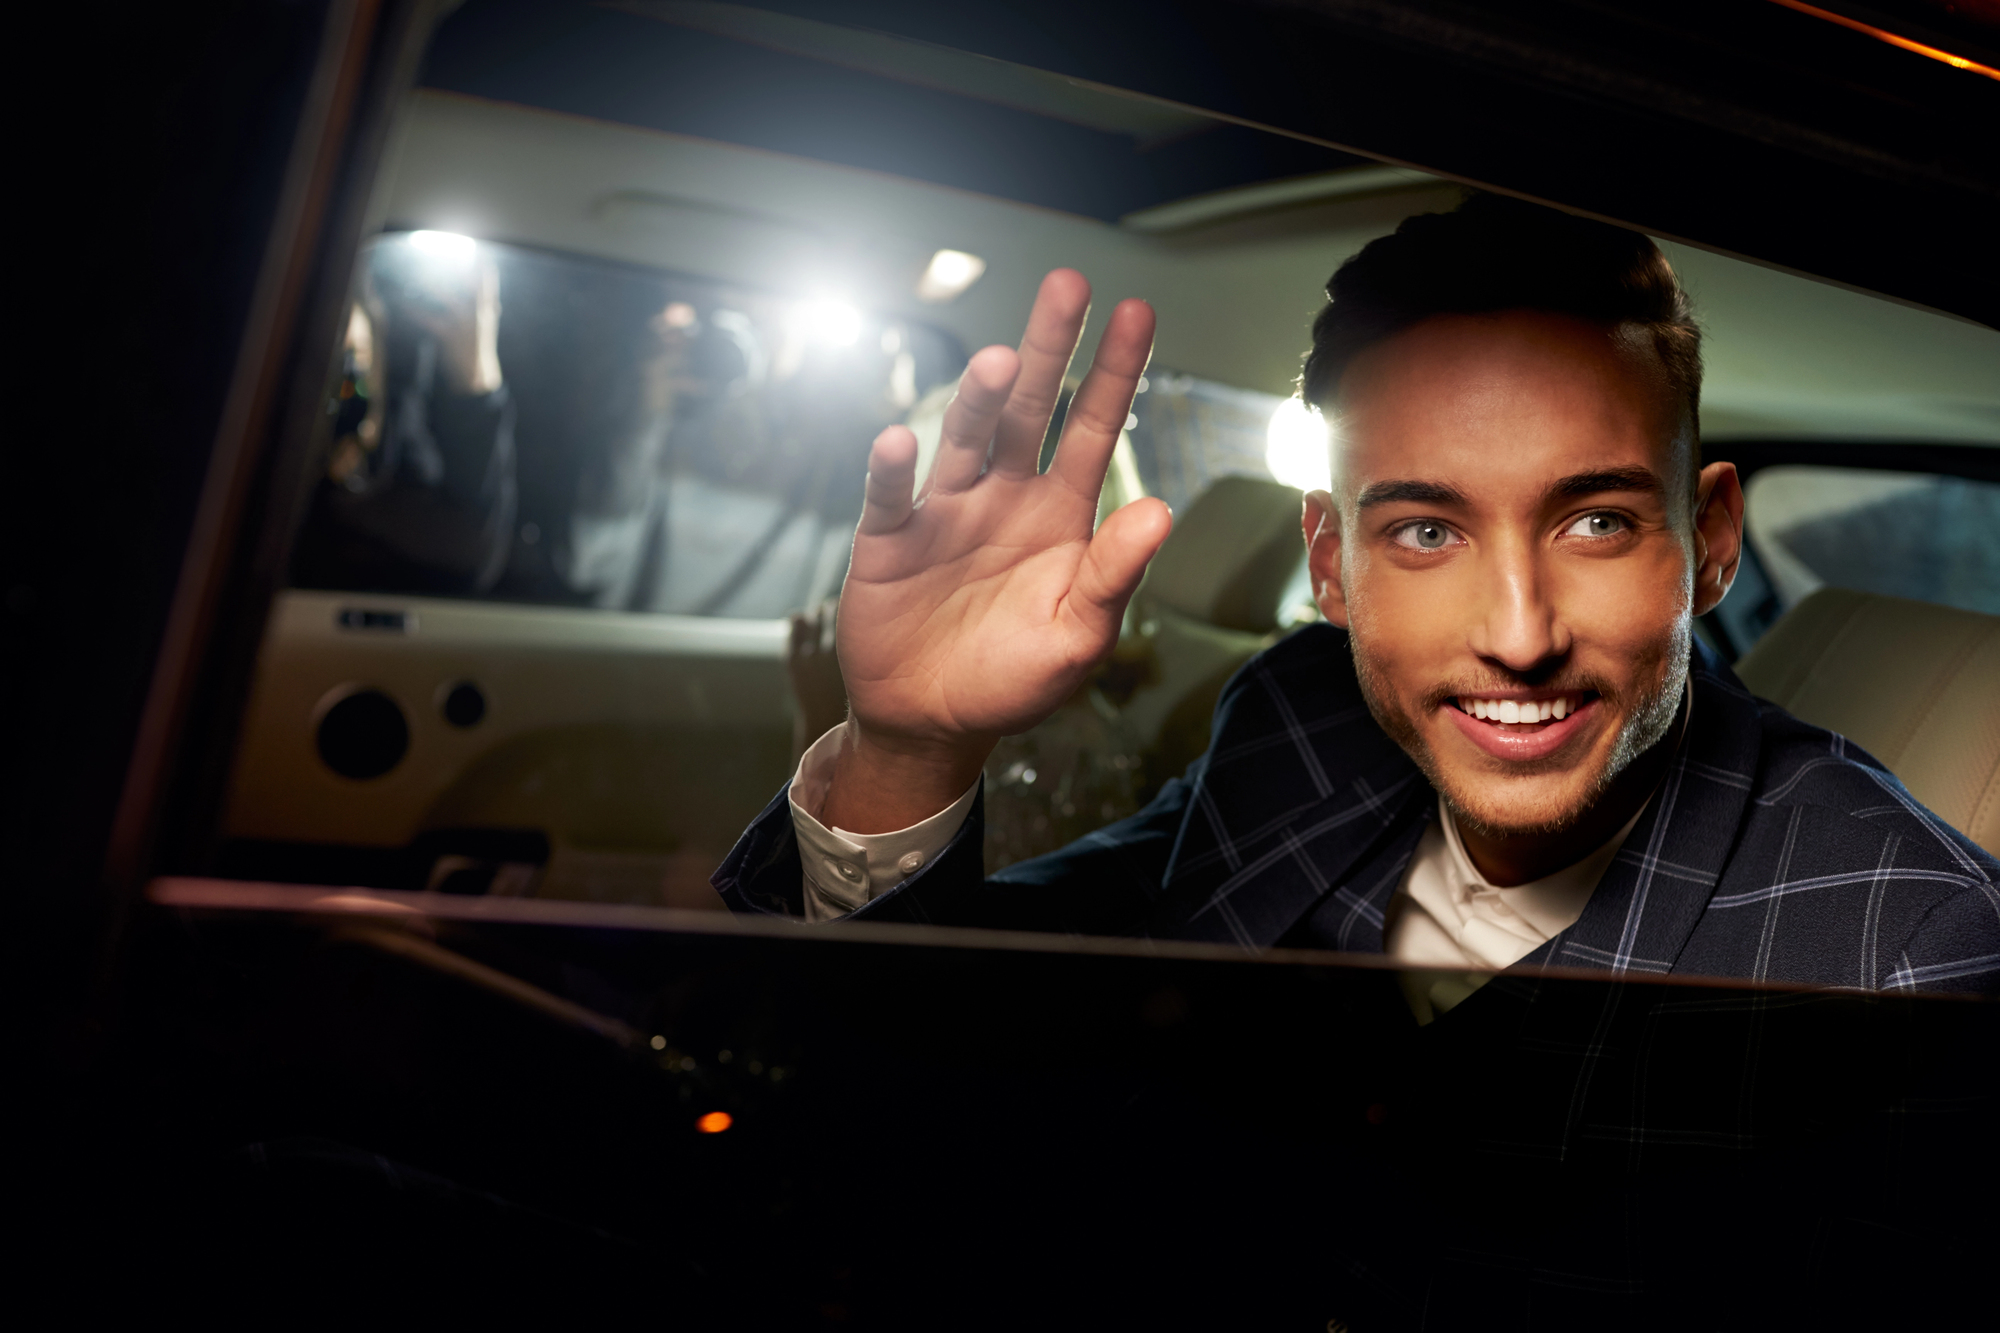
(391, 719)
(629, 661)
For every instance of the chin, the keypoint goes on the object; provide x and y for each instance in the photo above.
(1503, 807)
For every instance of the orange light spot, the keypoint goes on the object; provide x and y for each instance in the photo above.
(715, 1122)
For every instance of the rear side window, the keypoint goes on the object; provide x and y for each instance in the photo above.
(523, 426)
(1903, 534)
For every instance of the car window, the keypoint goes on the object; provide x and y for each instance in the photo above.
(601, 420)
(1903, 534)
(525, 426)
(645, 441)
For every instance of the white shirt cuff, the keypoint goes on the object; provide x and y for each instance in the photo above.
(844, 871)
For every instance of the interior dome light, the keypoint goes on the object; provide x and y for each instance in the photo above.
(949, 273)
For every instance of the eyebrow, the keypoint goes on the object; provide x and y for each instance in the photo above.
(1410, 492)
(1610, 479)
(1569, 488)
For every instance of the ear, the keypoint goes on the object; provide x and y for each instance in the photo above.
(1718, 534)
(1321, 521)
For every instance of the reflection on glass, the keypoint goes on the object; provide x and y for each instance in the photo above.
(534, 428)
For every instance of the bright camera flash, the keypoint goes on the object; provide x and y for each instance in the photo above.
(949, 273)
(1295, 447)
(829, 321)
(444, 245)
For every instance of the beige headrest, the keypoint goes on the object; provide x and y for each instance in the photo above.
(1231, 555)
(1915, 685)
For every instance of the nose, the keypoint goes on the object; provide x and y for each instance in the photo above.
(1518, 629)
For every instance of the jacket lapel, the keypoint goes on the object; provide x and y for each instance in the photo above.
(1300, 794)
(1648, 902)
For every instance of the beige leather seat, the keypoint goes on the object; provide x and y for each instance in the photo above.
(1915, 685)
(1209, 601)
(1230, 555)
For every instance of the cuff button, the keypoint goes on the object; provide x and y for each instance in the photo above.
(848, 872)
(911, 863)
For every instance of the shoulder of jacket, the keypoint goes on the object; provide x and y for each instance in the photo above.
(1805, 765)
(1306, 654)
(1306, 673)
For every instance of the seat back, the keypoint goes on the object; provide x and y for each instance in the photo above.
(1230, 555)
(1914, 684)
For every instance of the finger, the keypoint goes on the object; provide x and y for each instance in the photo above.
(1054, 326)
(970, 418)
(1100, 407)
(1112, 567)
(892, 476)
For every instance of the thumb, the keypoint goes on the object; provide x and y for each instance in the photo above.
(1112, 567)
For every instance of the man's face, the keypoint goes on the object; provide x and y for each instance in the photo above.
(1517, 555)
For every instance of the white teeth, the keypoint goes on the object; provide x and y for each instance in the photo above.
(1519, 712)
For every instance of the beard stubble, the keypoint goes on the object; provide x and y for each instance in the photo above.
(1659, 682)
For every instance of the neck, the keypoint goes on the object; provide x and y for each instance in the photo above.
(1507, 859)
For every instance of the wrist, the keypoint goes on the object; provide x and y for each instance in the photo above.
(883, 782)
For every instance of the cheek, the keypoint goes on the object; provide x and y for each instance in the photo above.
(1408, 624)
(1625, 608)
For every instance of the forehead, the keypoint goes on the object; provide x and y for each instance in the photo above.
(1520, 395)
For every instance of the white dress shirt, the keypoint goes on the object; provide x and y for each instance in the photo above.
(1446, 920)
(844, 871)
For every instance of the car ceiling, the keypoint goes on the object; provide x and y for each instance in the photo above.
(792, 155)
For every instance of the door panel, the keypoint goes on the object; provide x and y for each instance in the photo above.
(639, 744)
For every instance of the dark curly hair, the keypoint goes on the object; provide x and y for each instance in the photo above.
(1492, 253)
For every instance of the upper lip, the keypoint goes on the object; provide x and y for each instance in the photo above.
(1523, 696)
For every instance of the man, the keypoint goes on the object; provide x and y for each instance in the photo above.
(1505, 745)
(420, 492)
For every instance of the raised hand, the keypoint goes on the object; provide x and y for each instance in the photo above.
(973, 612)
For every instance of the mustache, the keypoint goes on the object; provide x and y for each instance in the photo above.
(1569, 683)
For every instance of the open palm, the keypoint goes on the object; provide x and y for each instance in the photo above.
(973, 612)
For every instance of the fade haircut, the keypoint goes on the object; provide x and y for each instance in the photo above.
(1491, 254)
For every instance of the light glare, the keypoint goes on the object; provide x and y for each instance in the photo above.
(1295, 447)
(949, 273)
(444, 245)
(834, 322)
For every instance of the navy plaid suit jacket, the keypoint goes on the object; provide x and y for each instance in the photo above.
(1773, 850)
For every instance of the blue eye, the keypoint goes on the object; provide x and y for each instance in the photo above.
(1596, 525)
(1426, 535)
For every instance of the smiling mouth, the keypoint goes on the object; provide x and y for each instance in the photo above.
(1520, 716)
